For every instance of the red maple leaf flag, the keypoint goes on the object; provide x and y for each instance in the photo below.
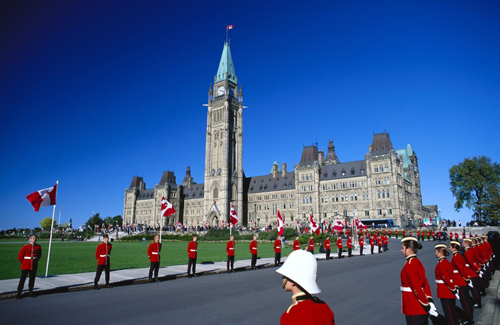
(234, 217)
(359, 224)
(314, 226)
(337, 224)
(229, 27)
(43, 198)
(166, 208)
(281, 229)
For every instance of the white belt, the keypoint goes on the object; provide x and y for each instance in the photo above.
(154, 253)
(27, 257)
(231, 248)
(278, 247)
(467, 265)
(103, 255)
(406, 289)
(193, 250)
(440, 281)
(254, 247)
(455, 271)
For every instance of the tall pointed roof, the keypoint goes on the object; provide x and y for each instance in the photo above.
(226, 65)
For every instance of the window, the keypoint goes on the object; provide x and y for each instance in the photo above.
(352, 171)
(383, 194)
(215, 193)
(378, 194)
(364, 196)
(379, 210)
(375, 169)
(367, 212)
(389, 209)
(387, 193)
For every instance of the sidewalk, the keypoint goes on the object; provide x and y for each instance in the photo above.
(85, 281)
(490, 314)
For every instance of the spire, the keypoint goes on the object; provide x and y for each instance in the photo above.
(226, 67)
(331, 155)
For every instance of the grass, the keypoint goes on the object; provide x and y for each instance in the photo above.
(78, 257)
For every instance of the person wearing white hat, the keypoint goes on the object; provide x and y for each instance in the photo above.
(299, 277)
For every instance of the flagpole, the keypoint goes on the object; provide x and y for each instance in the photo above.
(51, 226)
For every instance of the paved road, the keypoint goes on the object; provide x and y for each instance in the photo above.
(358, 290)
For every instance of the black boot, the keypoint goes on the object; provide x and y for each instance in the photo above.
(19, 294)
(96, 287)
(32, 294)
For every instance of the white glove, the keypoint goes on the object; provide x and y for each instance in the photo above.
(457, 295)
(470, 284)
(433, 310)
(488, 263)
(493, 255)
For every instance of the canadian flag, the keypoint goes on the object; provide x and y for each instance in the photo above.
(166, 208)
(359, 224)
(337, 224)
(229, 27)
(234, 218)
(43, 198)
(348, 224)
(281, 229)
(314, 225)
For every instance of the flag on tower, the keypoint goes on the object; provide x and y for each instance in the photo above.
(166, 208)
(43, 198)
(281, 229)
(234, 217)
(229, 27)
(314, 225)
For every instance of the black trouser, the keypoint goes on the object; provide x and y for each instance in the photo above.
(360, 250)
(476, 291)
(328, 254)
(340, 252)
(397, 238)
(254, 260)
(191, 265)
(99, 272)
(277, 259)
(450, 311)
(349, 251)
(371, 249)
(380, 248)
(154, 266)
(31, 283)
(417, 319)
(230, 260)
(466, 303)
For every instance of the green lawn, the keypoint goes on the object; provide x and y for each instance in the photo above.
(77, 257)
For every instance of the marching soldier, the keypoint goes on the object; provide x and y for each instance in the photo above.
(103, 263)
(464, 273)
(310, 245)
(327, 247)
(253, 251)
(339, 247)
(296, 244)
(417, 302)
(277, 251)
(230, 246)
(192, 250)
(447, 288)
(28, 256)
(299, 277)
(349, 246)
(154, 259)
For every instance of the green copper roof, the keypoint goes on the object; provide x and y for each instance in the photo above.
(226, 65)
(405, 154)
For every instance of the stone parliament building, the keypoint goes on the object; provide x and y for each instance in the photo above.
(381, 188)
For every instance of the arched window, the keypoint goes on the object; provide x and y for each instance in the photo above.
(383, 194)
(215, 194)
(355, 196)
(364, 196)
(367, 211)
(352, 197)
(389, 209)
(378, 194)
(379, 210)
(342, 198)
(388, 193)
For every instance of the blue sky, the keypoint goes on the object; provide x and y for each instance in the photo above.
(94, 93)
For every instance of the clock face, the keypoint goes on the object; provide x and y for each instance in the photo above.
(221, 91)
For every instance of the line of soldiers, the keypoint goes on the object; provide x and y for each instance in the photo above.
(464, 278)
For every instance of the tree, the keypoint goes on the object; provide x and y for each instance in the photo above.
(473, 183)
(94, 220)
(45, 223)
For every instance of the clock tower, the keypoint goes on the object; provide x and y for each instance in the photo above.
(224, 145)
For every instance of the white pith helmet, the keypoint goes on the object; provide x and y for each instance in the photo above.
(301, 267)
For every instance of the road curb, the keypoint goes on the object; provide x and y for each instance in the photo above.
(491, 308)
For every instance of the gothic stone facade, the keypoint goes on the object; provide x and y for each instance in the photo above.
(384, 185)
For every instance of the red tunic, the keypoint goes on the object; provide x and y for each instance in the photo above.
(29, 255)
(327, 244)
(296, 245)
(102, 254)
(471, 258)
(446, 285)
(410, 233)
(428, 234)
(309, 311)
(311, 245)
(277, 246)
(463, 268)
(339, 243)
(154, 252)
(396, 232)
(415, 290)
(385, 240)
(404, 232)
(361, 242)
(456, 236)
(479, 255)
(379, 241)
(372, 241)
(192, 249)
(389, 232)
(230, 246)
(349, 243)
(253, 247)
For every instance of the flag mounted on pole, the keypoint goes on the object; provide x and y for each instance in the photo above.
(234, 217)
(337, 225)
(229, 27)
(359, 224)
(43, 198)
(314, 225)
(166, 208)
(281, 229)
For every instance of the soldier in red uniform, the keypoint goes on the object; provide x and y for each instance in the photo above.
(310, 245)
(434, 235)
(192, 250)
(372, 243)
(361, 244)
(299, 277)
(447, 288)
(253, 251)
(349, 246)
(389, 233)
(418, 234)
(296, 244)
(428, 235)
(463, 277)
(277, 251)
(410, 233)
(385, 243)
(404, 233)
(470, 257)
(379, 243)
(456, 236)
(154, 259)
(28, 256)
(339, 247)
(396, 232)
(230, 247)
(327, 247)
(417, 302)
(103, 263)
